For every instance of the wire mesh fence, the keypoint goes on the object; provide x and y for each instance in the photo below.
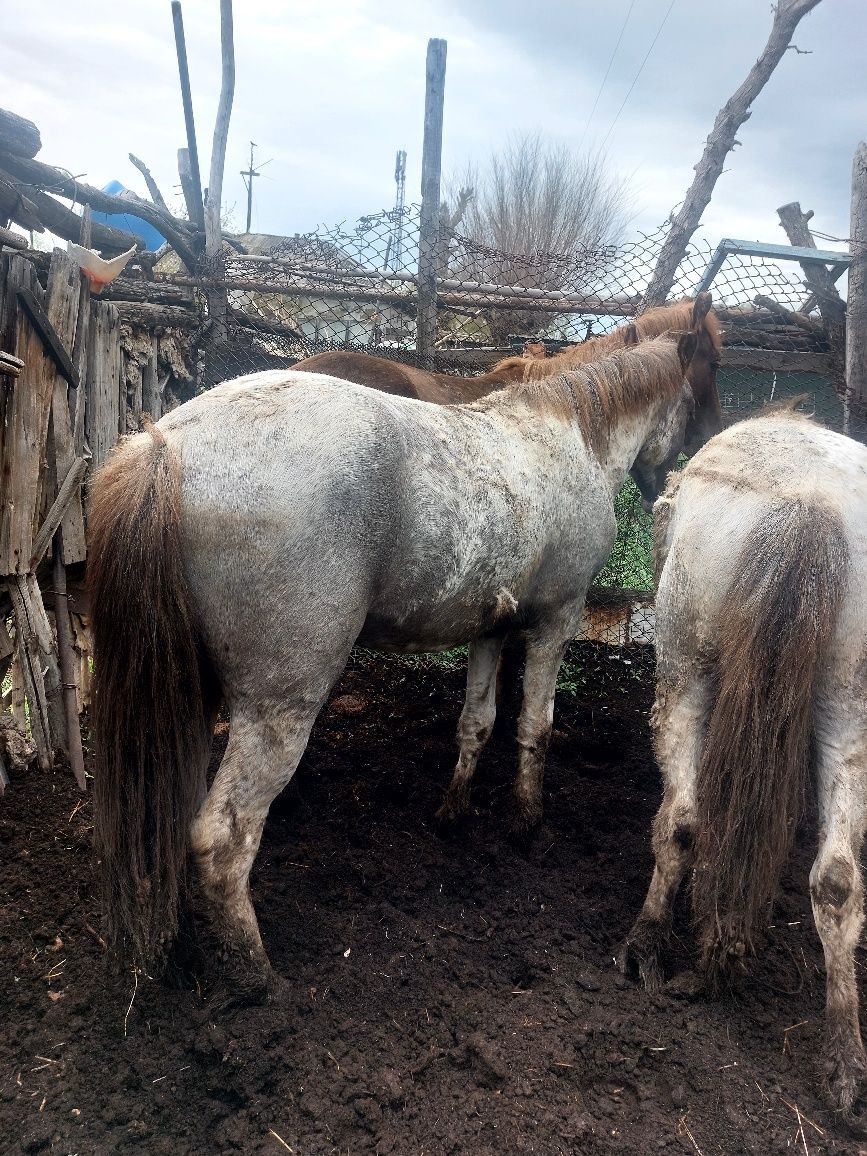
(356, 289)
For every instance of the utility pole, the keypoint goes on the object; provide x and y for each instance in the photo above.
(248, 175)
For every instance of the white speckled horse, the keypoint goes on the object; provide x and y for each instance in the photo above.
(243, 545)
(761, 636)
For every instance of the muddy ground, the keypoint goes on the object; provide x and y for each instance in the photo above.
(447, 995)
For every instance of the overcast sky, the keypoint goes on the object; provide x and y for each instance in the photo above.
(330, 90)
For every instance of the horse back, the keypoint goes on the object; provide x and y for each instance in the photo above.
(363, 369)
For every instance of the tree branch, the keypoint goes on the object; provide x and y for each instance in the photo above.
(153, 187)
(730, 117)
(62, 221)
(178, 233)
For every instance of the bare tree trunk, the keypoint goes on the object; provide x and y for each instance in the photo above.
(218, 299)
(721, 141)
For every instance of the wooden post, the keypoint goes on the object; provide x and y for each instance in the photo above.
(79, 345)
(431, 167)
(218, 299)
(856, 324)
(67, 667)
(195, 204)
(821, 285)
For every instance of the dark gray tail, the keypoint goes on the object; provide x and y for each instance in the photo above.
(774, 629)
(150, 717)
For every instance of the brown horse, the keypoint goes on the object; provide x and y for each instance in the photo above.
(695, 314)
(449, 389)
(409, 381)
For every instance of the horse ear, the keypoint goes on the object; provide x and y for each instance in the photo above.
(630, 335)
(700, 309)
(686, 347)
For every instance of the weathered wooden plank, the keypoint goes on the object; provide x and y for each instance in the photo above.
(151, 398)
(77, 397)
(62, 314)
(50, 339)
(28, 406)
(70, 489)
(29, 661)
(102, 410)
(779, 359)
(68, 663)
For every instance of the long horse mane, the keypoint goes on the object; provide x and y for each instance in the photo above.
(676, 318)
(597, 394)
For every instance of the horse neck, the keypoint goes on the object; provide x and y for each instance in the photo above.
(469, 389)
(627, 434)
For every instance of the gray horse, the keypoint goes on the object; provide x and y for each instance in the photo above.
(242, 546)
(761, 637)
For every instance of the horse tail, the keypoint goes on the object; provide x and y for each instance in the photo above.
(776, 623)
(151, 680)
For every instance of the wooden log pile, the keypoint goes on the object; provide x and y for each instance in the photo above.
(768, 325)
(32, 195)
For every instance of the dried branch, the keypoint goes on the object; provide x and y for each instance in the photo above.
(60, 219)
(721, 141)
(153, 187)
(179, 234)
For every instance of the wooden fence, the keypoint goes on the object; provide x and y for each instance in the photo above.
(62, 407)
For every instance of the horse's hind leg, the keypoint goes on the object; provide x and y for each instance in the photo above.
(837, 894)
(476, 723)
(679, 719)
(544, 655)
(266, 741)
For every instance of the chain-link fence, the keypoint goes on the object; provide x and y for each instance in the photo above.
(356, 289)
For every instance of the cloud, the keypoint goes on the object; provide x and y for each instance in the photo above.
(331, 91)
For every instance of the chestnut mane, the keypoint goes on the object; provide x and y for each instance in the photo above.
(675, 318)
(629, 379)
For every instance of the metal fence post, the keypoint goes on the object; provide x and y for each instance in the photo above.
(431, 165)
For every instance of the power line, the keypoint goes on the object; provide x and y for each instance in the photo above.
(605, 77)
(640, 70)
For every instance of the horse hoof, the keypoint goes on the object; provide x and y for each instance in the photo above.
(845, 1085)
(525, 827)
(639, 956)
(255, 991)
(454, 807)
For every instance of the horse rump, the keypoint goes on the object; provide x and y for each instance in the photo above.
(152, 681)
(774, 628)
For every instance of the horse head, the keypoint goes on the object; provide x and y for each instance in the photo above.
(696, 415)
(704, 361)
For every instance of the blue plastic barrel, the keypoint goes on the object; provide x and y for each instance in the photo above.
(130, 223)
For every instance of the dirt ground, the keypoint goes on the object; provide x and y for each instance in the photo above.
(447, 995)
